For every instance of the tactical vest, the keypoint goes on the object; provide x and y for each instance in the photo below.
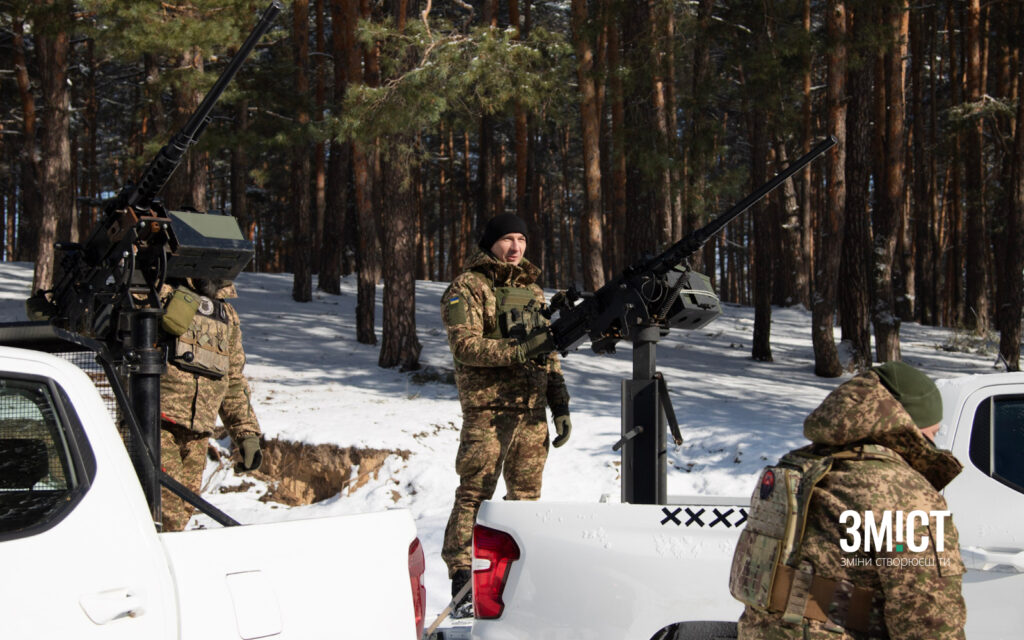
(510, 304)
(766, 572)
(204, 347)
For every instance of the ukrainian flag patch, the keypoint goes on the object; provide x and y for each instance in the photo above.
(455, 311)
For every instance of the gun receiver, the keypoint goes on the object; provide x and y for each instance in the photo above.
(137, 244)
(659, 291)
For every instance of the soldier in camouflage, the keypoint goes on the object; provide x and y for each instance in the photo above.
(204, 379)
(506, 373)
(891, 413)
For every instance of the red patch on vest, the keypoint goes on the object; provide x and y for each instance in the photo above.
(767, 484)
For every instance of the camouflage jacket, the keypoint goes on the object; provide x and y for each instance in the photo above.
(193, 400)
(488, 371)
(921, 590)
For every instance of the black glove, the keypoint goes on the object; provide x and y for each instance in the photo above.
(252, 457)
(39, 308)
(563, 426)
(537, 344)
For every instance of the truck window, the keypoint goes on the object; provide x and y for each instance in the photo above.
(38, 478)
(997, 440)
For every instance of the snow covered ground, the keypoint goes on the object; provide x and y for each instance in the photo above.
(312, 382)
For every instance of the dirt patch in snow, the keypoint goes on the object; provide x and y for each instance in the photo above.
(299, 473)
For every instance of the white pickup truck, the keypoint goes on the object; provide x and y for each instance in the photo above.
(81, 557)
(661, 572)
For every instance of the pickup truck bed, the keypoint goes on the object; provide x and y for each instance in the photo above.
(586, 570)
(92, 565)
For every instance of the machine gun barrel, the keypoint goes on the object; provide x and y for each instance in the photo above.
(140, 196)
(693, 241)
(646, 292)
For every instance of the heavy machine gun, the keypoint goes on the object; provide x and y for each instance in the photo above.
(106, 294)
(137, 244)
(641, 305)
(659, 291)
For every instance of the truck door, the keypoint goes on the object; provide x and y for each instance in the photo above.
(987, 502)
(77, 560)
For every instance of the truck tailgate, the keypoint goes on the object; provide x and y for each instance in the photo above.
(618, 571)
(338, 577)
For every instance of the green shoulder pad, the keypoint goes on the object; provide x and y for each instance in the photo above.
(453, 310)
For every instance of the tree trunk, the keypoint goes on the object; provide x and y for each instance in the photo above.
(366, 67)
(399, 345)
(855, 269)
(240, 174)
(925, 209)
(658, 49)
(302, 283)
(525, 167)
(832, 220)
(488, 180)
(787, 280)
(890, 178)
(402, 236)
(761, 349)
(90, 107)
(521, 139)
(187, 185)
(1011, 282)
(53, 47)
(31, 216)
(336, 214)
(700, 135)
(542, 249)
(320, 146)
(904, 298)
(453, 205)
(338, 168)
(10, 199)
(955, 266)
(366, 290)
(676, 183)
(644, 188)
(618, 151)
(590, 222)
(978, 278)
(565, 236)
(805, 261)
(461, 238)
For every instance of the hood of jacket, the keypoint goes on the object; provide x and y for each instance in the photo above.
(862, 411)
(503, 274)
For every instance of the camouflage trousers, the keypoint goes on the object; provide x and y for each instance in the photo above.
(511, 443)
(183, 457)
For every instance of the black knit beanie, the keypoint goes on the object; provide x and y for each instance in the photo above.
(500, 226)
(914, 390)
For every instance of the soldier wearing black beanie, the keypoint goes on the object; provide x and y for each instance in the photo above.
(508, 375)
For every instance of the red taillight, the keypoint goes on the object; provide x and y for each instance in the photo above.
(417, 565)
(493, 554)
